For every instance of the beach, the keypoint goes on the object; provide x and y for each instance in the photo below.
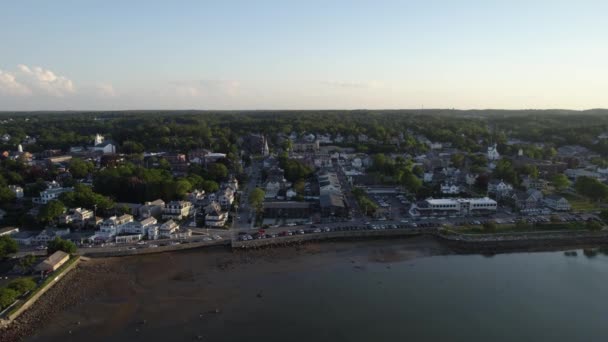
(107, 295)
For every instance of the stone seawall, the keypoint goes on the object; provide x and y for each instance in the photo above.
(160, 249)
(340, 235)
(530, 241)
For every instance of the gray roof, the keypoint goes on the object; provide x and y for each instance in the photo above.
(554, 197)
(331, 200)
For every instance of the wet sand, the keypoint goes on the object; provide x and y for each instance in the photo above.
(140, 297)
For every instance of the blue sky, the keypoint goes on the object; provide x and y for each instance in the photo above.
(303, 54)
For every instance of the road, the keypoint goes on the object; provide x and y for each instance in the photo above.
(244, 212)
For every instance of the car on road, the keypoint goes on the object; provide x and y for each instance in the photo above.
(316, 230)
(152, 246)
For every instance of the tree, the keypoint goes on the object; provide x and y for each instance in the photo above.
(593, 225)
(604, 215)
(84, 196)
(7, 246)
(182, 186)
(457, 159)
(59, 244)
(530, 170)
(256, 199)
(164, 164)
(132, 147)
(80, 168)
(592, 188)
(22, 285)
(411, 182)
(504, 170)
(210, 186)
(50, 211)
(217, 171)
(299, 186)
(6, 195)
(26, 262)
(560, 181)
(7, 297)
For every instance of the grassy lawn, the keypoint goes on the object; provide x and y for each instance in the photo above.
(579, 203)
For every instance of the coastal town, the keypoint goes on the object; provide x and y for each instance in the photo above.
(109, 198)
(303, 171)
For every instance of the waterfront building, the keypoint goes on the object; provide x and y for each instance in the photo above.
(451, 206)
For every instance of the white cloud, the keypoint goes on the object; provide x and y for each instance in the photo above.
(105, 90)
(47, 81)
(10, 86)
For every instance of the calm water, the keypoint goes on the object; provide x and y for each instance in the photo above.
(337, 297)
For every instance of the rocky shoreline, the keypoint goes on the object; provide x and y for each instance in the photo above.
(74, 288)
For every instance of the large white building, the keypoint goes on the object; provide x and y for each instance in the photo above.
(493, 153)
(102, 145)
(451, 206)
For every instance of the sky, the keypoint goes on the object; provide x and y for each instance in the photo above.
(114, 55)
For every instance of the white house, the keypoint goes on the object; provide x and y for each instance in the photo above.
(177, 210)
(80, 215)
(557, 203)
(450, 189)
(471, 178)
(435, 145)
(290, 193)
(168, 228)
(226, 197)
(137, 227)
(215, 217)
(47, 235)
(499, 187)
(428, 177)
(152, 232)
(154, 208)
